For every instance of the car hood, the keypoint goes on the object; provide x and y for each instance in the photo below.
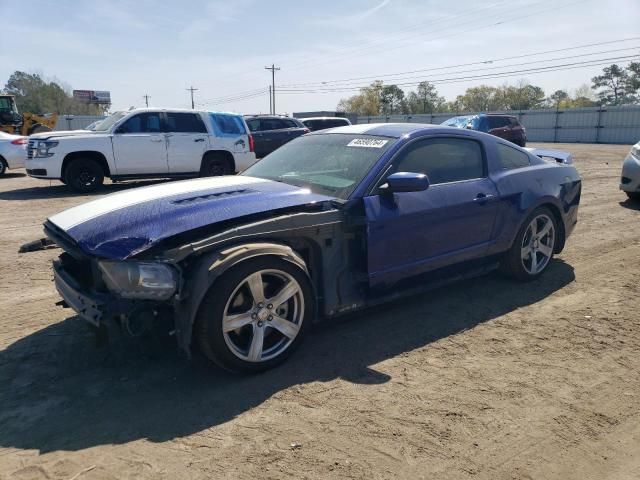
(121, 225)
(64, 133)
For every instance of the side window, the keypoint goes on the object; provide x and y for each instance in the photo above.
(227, 124)
(254, 125)
(510, 158)
(443, 160)
(185, 123)
(273, 124)
(142, 123)
(289, 123)
(498, 122)
(514, 122)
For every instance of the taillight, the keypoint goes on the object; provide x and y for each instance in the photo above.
(20, 141)
(251, 144)
(306, 130)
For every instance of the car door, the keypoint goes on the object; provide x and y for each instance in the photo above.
(139, 146)
(451, 221)
(499, 126)
(275, 130)
(187, 141)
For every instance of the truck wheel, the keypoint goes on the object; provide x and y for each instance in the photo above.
(631, 195)
(532, 250)
(3, 166)
(214, 165)
(84, 175)
(255, 315)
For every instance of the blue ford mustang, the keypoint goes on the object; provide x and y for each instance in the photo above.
(333, 221)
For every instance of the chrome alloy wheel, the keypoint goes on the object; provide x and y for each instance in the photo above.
(537, 244)
(263, 315)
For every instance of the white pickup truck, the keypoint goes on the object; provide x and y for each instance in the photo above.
(143, 143)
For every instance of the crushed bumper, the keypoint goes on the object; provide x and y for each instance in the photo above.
(89, 306)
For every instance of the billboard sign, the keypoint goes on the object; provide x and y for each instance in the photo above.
(100, 97)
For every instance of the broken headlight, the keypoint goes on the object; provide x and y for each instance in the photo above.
(139, 280)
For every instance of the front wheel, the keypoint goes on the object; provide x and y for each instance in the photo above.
(532, 250)
(255, 315)
(3, 166)
(84, 175)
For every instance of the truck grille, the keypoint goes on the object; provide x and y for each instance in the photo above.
(30, 148)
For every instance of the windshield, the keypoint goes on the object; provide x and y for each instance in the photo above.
(108, 122)
(458, 122)
(329, 164)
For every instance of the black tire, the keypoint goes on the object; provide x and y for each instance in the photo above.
(631, 195)
(215, 165)
(232, 288)
(3, 166)
(519, 266)
(84, 175)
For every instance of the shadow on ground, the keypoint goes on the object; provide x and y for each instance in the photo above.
(631, 204)
(56, 189)
(58, 392)
(12, 175)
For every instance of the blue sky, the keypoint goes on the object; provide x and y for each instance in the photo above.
(221, 47)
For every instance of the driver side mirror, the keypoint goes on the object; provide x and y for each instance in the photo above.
(405, 182)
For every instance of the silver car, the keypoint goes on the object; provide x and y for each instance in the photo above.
(13, 151)
(630, 179)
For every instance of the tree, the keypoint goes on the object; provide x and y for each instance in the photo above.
(480, 99)
(367, 102)
(633, 79)
(557, 98)
(613, 83)
(522, 96)
(391, 97)
(36, 95)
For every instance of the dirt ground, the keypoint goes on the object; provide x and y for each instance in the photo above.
(485, 379)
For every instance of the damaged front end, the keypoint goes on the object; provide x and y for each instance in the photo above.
(138, 296)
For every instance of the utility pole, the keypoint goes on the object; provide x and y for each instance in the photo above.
(273, 69)
(193, 105)
(146, 99)
(270, 100)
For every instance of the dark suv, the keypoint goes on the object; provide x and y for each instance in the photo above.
(503, 126)
(271, 132)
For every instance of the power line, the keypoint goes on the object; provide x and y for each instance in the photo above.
(480, 62)
(456, 31)
(191, 89)
(273, 69)
(494, 67)
(551, 68)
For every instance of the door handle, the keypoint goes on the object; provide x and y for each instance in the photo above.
(484, 198)
(199, 140)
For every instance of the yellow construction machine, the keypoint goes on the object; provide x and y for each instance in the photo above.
(27, 123)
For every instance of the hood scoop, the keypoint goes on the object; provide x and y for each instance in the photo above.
(211, 196)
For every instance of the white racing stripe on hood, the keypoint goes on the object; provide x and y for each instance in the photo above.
(109, 203)
(362, 128)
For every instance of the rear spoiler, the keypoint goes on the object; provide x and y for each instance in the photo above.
(557, 155)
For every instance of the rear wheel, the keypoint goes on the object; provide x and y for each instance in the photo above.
(215, 165)
(532, 250)
(84, 175)
(255, 315)
(633, 195)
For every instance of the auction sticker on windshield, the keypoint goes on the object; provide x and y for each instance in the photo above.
(367, 143)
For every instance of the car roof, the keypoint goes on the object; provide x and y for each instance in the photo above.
(171, 110)
(322, 118)
(395, 130)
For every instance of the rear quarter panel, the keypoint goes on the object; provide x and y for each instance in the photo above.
(522, 190)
